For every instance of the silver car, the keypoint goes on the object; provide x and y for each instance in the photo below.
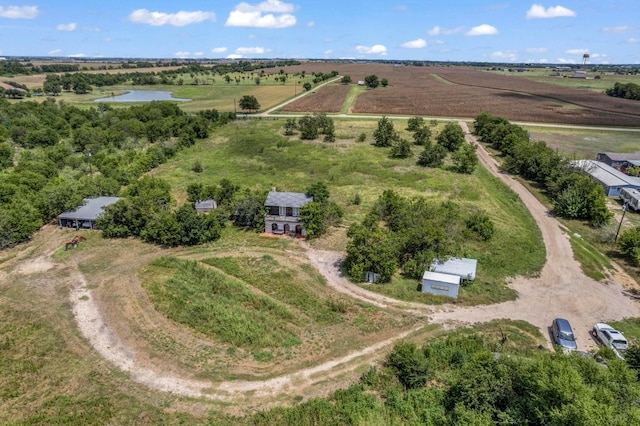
(563, 336)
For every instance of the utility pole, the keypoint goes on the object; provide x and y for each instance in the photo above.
(89, 155)
(624, 210)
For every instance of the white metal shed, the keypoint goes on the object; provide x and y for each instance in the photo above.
(440, 284)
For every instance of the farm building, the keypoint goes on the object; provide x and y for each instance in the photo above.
(440, 284)
(619, 160)
(461, 267)
(86, 215)
(612, 180)
(205, 206)
(283, 215)
(631, 198)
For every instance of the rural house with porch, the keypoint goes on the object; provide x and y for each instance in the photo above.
(283, 213)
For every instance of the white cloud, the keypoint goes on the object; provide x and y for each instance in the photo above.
(19, 12)
(538, 11)
(633, 40)
(481, 30)
(311, 24)
(618, 29)
(54, 52)
(262, 15)
(565, 61)
(182, 54)
(576, 51)
(77, 55)
(437, 30)
(178, 19)
(537, 50)
(377, 49)
(218, 50)
(415, 44)
(251, 50)
(506, 56)
(328, 52)
(234, 56)
(198, 53)
(67, 27)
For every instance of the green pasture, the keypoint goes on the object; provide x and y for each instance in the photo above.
(581, 143)
(604, 81)
(254, 154)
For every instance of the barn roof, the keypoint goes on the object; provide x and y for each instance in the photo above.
(206, 204)
(92, 208)
(606, 174)
(622, 156)
(287, 199)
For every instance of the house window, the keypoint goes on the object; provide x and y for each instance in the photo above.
(295, 212)
(274, 226)
(283, 211)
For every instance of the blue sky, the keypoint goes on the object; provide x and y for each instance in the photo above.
(494, 31)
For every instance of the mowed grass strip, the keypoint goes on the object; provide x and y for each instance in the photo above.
(294, 288)
(219, 306)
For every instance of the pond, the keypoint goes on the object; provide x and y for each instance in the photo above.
(142, 96)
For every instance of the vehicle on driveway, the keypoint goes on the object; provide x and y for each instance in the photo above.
(563, 336)
(611, 338)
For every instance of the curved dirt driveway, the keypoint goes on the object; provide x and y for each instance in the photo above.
(561, 290)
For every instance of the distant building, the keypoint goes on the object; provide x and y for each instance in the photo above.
(85, 216)
(612, 180)
(283, 215)
(619, 160)
(205, 206)
(579, 74)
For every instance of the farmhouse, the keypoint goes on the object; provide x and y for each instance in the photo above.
(619, 160)
(86, 215)
(612, 180)
(462, 267)
(440, 284)
(283, 215)
(205, 206)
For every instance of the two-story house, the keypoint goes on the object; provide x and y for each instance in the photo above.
(283, 215)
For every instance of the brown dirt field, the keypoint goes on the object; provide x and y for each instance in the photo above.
(467, 91)
(327, 99)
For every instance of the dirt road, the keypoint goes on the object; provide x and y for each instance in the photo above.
(561, 290)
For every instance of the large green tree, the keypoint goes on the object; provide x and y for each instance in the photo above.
(249, 102)
(451, 137)
(384, 135)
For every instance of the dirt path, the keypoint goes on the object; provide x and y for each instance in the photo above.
(561, 290)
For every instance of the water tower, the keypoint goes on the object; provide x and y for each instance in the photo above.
(585, 58)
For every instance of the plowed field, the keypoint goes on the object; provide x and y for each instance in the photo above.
(327, 99)
(466, 92)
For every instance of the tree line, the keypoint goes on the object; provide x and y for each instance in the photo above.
(67, 154)
(625, 90)
(574, 194)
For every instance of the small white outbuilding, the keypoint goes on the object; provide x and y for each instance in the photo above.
(440, 284)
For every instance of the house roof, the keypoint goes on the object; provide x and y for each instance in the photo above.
(459, 266)
(622, 156)
(287, 199)
(606, 174)
(440, 277)
(92, 208)
(205, 204)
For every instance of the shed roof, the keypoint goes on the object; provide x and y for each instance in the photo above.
(459, 266)
(205, 204)
(92, 208)
(606, 174)
(287, 199)
(622, 156)
(440, 277)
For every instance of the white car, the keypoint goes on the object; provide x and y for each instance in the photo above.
(611, 338)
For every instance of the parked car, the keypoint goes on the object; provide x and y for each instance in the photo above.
(562, 334)
(611, 338)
